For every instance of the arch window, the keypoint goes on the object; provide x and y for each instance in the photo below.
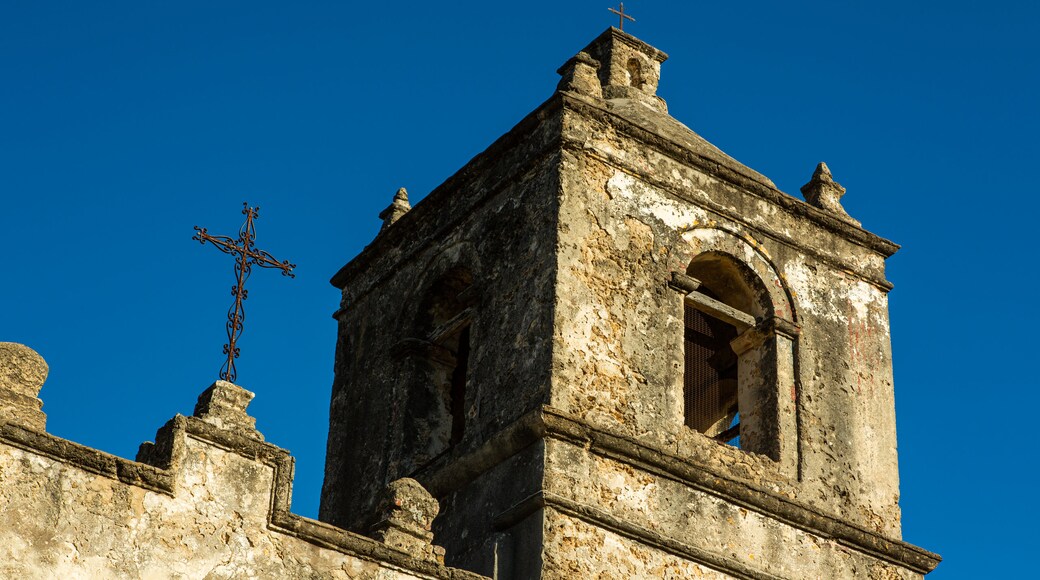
(439, 359)
(635, 73)
(710, 375)
(737, 355)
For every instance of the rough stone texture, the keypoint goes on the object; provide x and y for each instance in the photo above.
(22, 374)
(630, 68)
(406, 516)
(550, 264)
(630, 218)
(577, 549)
(212, 501)
(661, 512)
(579, 75)
(224, 404)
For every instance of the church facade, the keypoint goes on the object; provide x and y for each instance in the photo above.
(602, 349)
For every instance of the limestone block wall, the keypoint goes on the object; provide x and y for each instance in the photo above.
(616, 508)
(641, 196)
(579, 549)
(655, 525)
(209, 499)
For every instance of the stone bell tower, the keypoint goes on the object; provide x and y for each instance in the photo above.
(612, 351)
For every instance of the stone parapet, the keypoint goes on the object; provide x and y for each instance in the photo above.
(208, 499)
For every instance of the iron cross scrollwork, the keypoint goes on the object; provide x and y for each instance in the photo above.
(246, 256)
(622, 16)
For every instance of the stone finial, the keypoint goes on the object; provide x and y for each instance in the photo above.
(406, 514)
(580, 76)
(825, 193)
(224, 404)
(398, 208)
(22, 374)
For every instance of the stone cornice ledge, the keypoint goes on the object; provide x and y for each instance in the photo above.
(466, 465)
(858, 235)
(160, 478)
(88, 459)
(601, 518)
(559, 425)
(722, 210)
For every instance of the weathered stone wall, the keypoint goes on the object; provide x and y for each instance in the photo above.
(578, 549)
(476, 528)
(209, 500)
(631, 215)
(495, 220)
(653, 525)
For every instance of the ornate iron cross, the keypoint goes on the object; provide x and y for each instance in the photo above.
(622, 16)
(246, 257)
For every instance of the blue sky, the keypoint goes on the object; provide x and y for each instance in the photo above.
(123, 124)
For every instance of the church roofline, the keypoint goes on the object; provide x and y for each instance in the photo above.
(740, 175)
(563, 100)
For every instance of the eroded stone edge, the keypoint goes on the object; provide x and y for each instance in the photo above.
(547, 422)
(160, 479)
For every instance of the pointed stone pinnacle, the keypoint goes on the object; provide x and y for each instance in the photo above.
(823, 172)
(825, 193)
(402, 197)
(398, 208)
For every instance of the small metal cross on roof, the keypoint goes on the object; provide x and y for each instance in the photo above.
(246, 257)
(622, 16)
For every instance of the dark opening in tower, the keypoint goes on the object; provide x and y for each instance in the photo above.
(710, 377)
(438, 366)
(727, 369)
(457, 396)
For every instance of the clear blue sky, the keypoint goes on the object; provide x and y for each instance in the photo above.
(123, 124)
